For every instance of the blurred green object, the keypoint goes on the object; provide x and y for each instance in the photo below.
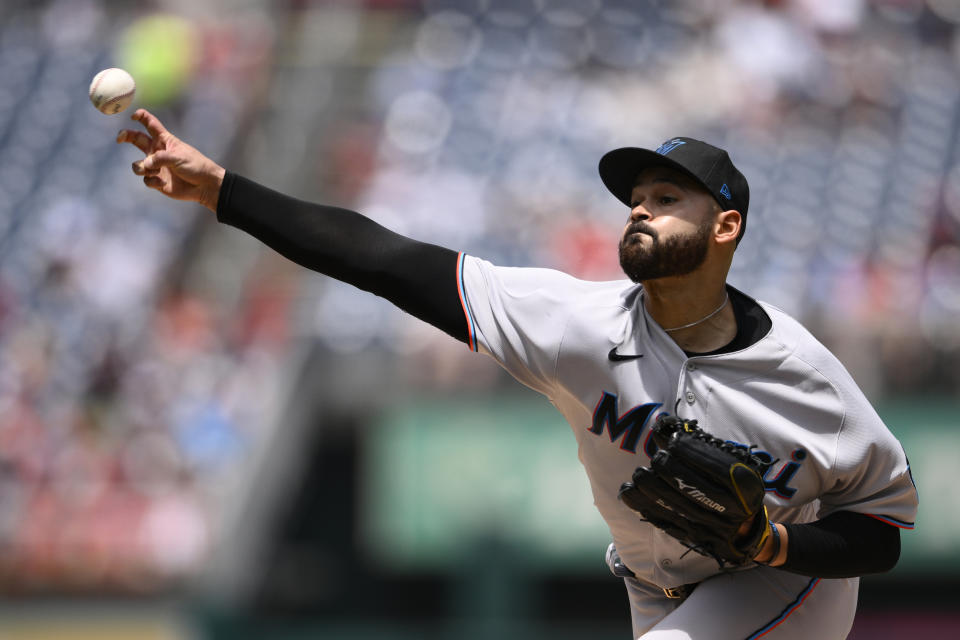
(443, 476)
(446, 476)
(929, 434)
(160, 52)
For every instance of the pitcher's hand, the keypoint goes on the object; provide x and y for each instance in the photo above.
(171, 166)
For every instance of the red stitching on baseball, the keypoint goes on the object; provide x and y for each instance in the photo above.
(96, 82)
(121, 97)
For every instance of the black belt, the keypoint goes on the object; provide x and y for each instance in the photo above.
(674, 593)
(681, 592)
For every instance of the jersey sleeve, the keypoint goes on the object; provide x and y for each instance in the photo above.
(518, 316)
(872, 474)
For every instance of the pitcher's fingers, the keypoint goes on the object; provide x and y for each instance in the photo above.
(150, 121)
(139, 169)
(162, 158)
(137, 138)
(154, 182)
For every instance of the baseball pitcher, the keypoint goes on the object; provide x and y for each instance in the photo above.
(746, 480)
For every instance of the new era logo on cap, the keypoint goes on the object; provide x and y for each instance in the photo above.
(725, 191)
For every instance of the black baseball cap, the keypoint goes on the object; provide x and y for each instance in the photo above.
(710, 166)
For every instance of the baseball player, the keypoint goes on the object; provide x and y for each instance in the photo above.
(674, 339)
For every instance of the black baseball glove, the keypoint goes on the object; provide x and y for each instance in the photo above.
(705, 492)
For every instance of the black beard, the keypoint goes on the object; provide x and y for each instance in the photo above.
(675, 256)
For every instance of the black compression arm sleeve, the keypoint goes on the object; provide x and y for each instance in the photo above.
(842, 545)
(419, 278)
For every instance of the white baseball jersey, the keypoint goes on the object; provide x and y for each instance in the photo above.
(786, 394)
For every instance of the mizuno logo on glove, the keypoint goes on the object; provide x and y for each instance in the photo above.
(699, 496)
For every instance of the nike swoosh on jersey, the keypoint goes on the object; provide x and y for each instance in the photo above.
(620, 357)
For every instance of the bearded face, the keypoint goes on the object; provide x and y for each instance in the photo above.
(644, 255)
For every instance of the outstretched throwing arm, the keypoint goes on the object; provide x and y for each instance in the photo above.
(419, 278)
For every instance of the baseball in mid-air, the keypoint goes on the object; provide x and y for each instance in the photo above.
(111, 90)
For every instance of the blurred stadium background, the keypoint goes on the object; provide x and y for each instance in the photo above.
(200, 440)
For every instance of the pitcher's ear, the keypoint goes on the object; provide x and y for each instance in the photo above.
(728, 226)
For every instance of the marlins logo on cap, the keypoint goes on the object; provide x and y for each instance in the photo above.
(710, 166)
(669, 146)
